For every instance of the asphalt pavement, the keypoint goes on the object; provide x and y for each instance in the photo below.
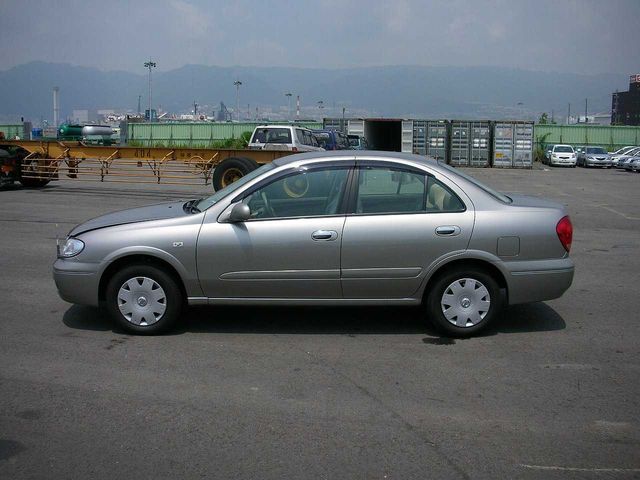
(552, 390)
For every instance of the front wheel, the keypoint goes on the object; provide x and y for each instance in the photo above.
(144, 299)
(463, 301)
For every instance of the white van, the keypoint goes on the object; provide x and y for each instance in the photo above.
(284, 137)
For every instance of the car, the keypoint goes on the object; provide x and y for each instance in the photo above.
(618, 160)
(283, 137)
(357, 142)
(632, 164)
(623, 150)
(593, 157)
(325, 228)
(561, 155)
(331, 139)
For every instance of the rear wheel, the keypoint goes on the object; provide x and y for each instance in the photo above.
(230, 170)
(144, 299)
(463, 301)
(32, 168)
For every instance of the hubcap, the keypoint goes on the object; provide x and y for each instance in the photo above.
(142, 301)
(231, 175)
(465, 302)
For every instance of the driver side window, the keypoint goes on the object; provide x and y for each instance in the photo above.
(302, 194)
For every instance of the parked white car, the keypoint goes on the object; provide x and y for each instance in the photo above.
(284, 137)
(562, 155)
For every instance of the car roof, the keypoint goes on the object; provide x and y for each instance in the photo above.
(282, 126)
(359, 155)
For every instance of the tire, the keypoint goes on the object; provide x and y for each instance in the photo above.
(146, 282)
(470, 288)
(31, 166)
(230, 170)
(33, 182)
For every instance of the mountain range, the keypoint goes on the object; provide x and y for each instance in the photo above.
(386, 91)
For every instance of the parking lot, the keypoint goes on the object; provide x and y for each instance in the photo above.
(551, 391)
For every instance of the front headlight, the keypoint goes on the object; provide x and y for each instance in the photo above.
(71, 248)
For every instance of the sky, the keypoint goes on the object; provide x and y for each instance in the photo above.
(573, 36)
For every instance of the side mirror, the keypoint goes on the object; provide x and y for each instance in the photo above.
(240, 213)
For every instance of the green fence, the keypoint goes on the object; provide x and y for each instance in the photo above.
(12, 131)
(192, 135)
(610, 137)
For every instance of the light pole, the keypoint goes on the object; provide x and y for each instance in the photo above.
(320, 107)
(150, 64)
(344, 129)
(237, 83)
(288, 95)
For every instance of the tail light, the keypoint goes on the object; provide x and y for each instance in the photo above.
(564, 229)
(294, 149)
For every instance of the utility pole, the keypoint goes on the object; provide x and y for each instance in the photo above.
(150, 64)
(237, 83)
(288, 95)
(320, 107)
(552, 116)
(139, 100)
(344, 127)
(586, 109)
(195, 110)
(569, 114)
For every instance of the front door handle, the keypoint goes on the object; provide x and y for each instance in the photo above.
(448, 230)
(326, 235)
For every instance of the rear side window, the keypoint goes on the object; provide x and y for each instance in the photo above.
(386, 190)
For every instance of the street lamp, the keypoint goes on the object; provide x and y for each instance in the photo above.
(288, 95)
(237, 83)
(150, 64)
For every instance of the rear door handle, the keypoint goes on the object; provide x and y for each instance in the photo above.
(448, 230)
(326, 235)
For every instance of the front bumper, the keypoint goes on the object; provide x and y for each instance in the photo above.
(562, 162)
(597, 163)
(535, 281)
(76, 282)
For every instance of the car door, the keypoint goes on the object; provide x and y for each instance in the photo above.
(401, 220)
(289, 248)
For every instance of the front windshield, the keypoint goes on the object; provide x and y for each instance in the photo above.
(497, 195)
(220, 194)
(596, 150)
(562, 149)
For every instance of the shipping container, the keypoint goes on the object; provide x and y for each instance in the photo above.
(459, 153)
(420, 137)
(513, 144)
(437, 139)
(523, 145)
(385, 134)
(479, 144)
(502, 144)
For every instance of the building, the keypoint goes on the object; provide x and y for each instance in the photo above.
(625, 106)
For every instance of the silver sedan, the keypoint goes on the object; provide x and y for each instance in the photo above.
(365, 228)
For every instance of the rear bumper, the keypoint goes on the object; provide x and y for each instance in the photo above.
(539, 280)
(76, 282)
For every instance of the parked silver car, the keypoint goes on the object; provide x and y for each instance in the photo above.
(593, 157)
(325, 228)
